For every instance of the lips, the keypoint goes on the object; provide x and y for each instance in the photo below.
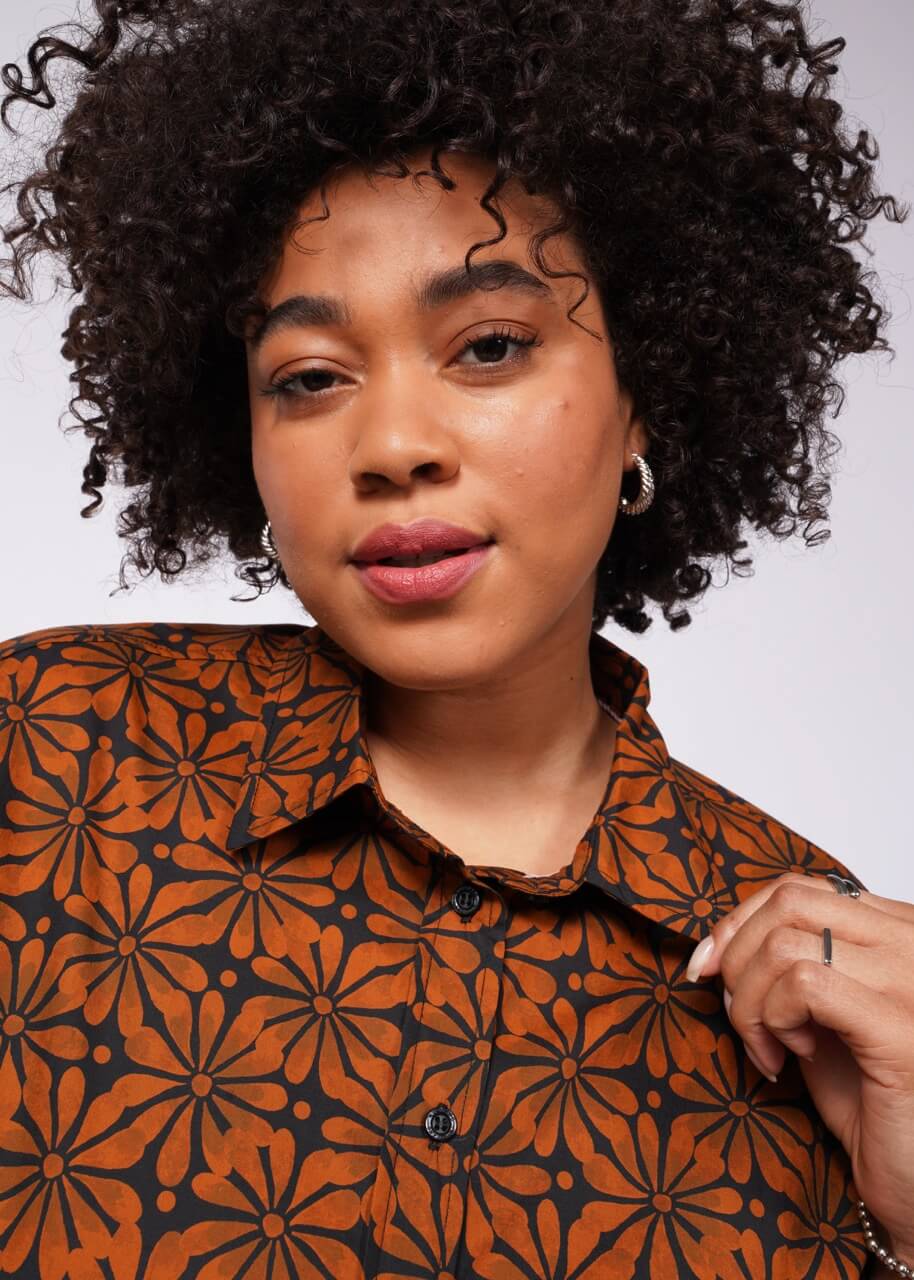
(416, 562)
(441, 580)
(424, 542)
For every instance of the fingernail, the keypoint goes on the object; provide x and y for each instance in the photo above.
(758, 1066)
(728, 1000)
(700, 956)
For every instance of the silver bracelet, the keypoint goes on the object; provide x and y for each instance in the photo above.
(875, 1247)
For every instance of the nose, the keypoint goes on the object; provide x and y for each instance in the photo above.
(398, 449)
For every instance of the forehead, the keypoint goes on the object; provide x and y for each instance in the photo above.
(391, 232)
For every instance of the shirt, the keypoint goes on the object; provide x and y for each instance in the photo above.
(258, 1023)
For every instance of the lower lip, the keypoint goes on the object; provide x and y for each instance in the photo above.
(398, 584)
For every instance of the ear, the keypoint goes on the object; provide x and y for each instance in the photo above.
(636, 438)
(636, 441)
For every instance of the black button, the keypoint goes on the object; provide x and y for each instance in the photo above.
(466, 900)
(441, 1123)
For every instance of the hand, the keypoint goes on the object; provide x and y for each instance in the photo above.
(851, 1023)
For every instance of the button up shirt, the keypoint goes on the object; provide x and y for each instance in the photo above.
(255, 1022)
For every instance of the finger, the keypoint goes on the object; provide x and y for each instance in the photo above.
(747, 995)
(869, 1022)
(706, 957)
(797, 905)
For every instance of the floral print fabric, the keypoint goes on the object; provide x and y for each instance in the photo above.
(254, 1022)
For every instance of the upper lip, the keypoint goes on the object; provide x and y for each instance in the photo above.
(416, 539)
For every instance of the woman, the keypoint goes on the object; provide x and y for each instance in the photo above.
(363, 949)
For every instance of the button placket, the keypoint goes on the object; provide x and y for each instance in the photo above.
(448, 1125)
(472, 1105)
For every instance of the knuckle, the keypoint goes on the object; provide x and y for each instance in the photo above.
(780, 943)
(806, 974)
(790, 892)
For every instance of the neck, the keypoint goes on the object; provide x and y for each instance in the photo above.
(539, 720)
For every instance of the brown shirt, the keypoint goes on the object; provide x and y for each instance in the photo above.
(255, 1022)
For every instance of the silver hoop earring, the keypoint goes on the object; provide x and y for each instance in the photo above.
(266, 541)
(634, 507)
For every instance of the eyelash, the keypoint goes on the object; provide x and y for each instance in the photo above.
(281, 388)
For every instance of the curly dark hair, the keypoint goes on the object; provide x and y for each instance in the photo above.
(690, 147)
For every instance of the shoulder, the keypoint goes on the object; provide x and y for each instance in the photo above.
(748, 845)
(123, 688)
(258, 645)
(118, 741)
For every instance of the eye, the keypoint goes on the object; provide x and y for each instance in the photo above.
(494, 339)
(497, 337)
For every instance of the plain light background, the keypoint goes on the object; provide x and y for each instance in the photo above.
(792, 687)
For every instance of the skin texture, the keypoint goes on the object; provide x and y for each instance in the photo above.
(526, 445)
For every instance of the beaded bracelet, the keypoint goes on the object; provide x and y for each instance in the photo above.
(875, 1247)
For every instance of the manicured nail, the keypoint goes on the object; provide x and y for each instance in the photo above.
(758, 1066)
(700, 956)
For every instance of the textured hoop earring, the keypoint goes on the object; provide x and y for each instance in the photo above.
(266, 541)
(645, 496)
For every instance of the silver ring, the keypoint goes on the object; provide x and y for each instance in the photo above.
(845, 887)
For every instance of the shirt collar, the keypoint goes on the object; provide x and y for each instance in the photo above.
(644, 848)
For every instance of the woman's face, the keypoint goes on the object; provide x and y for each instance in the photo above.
(390, 417)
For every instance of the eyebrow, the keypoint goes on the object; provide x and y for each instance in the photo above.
(435, 291)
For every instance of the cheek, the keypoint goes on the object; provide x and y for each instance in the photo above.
(298, 486)
(562, 477)
(279, 451)
(264, 451)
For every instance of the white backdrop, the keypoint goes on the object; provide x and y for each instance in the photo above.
(794, 687)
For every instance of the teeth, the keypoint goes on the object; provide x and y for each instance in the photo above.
(414, 562)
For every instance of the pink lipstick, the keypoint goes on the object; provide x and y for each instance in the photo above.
(406, 585)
